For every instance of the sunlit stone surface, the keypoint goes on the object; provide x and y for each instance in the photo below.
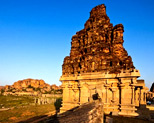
(99, 67)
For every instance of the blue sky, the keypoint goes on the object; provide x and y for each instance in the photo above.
(35, 35)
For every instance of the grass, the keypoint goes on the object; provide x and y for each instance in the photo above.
(24, 108)
(13, 101)
(26, 112)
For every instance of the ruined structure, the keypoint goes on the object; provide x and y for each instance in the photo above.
(99, 67)
(150, 94)
(152, 88)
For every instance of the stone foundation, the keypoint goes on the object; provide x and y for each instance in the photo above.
(117, 91)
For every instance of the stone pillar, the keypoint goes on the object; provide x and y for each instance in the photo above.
(113, 94)
(145, 93)
(106, 104)
(106, 87)
(133, 90)
(139, 95)
(127, 106)
(143, 100)
(133, 93)
(65, 93)
(35, 101)
(115, 105)
(79, 86)
(39, 101)
(66, 97)
(76, 97)
(70, 93)
(137, 98)
(122, 93)
(123, 105)
(84, 94)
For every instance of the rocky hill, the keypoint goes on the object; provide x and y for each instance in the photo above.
(31, 83)
(1, 87)
(31, 86)
(55, 87)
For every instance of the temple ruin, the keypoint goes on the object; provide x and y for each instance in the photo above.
(100, 67)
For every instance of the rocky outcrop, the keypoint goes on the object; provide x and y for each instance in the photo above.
(98, 47)
(1, 87)
(31, 83)
(55, 87)
(28, 85)
(31, 87)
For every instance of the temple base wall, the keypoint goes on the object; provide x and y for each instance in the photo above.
(117, 91)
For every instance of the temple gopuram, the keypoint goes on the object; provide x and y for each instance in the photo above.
(100, 67)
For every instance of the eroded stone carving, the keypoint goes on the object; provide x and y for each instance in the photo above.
(98, 47)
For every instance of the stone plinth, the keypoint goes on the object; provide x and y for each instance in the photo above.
(115, 90)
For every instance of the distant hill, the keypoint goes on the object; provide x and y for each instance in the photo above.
(31, 86)
(1, 87)
(55, 87)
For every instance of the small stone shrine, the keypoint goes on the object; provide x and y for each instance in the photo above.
(99, 67)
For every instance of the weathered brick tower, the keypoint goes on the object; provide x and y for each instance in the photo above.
(99, 65)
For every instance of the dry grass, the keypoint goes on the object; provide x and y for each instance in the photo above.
(22, 112)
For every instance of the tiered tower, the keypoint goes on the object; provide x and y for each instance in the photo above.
(98, 47)
(99, 67)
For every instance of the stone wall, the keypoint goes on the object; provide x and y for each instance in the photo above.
(86, 113)
(96, 114)
(43, 100)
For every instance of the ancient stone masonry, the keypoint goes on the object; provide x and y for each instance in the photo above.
(99, 65)
(98, 47)
(88, 113)
(150, 94)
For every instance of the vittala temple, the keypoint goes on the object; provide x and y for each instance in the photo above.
(100, 67)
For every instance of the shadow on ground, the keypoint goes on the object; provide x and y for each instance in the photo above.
(45, 118)
(121, 119)
(145, 116)
(33, 119)
(79, 114)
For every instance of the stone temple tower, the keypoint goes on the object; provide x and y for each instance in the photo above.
(99, 65)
